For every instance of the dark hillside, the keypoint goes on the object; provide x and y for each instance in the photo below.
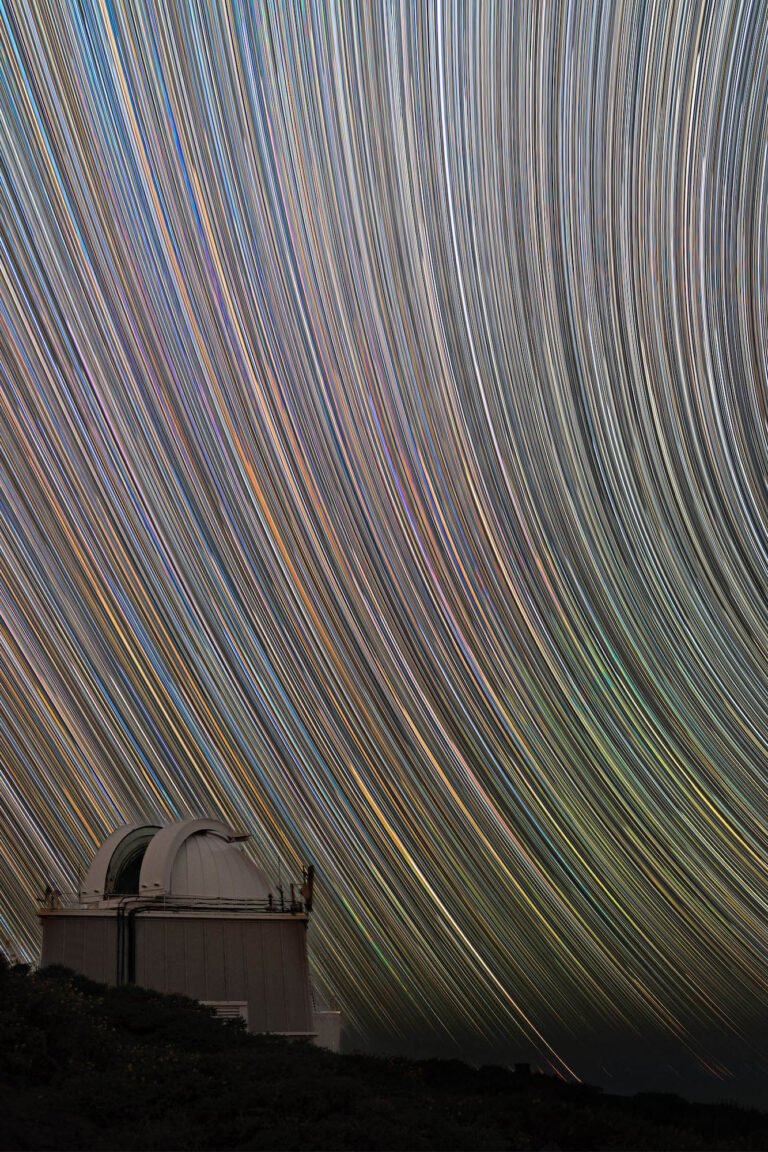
(84, 1066)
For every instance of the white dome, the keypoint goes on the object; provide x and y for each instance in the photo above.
(201, 859)
(207, 866)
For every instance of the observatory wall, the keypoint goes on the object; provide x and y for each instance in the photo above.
(86, 944)
(181, 909)
(262, 962)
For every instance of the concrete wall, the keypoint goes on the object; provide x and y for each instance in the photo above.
(87, 944)
(262, 962)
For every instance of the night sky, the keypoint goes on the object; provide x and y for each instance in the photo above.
(383, 455)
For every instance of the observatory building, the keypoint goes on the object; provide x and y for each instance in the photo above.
(182, 909)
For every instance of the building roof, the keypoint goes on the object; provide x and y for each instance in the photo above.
(201, 859)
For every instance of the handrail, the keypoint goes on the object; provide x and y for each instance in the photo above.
(64, 901)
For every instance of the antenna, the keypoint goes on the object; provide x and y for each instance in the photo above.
(308, 886)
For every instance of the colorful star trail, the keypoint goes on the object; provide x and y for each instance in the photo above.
(383, 455)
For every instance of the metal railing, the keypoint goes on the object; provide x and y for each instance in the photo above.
(64, 901)
(57, 901)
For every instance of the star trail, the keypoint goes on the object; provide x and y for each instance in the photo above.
(383, 455)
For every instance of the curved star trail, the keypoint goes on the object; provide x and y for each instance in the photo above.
(383, 468)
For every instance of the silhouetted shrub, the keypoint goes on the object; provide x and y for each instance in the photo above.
(86, 1066)
(493, 1079)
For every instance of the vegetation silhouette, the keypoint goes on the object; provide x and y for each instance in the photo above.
(85, 1066)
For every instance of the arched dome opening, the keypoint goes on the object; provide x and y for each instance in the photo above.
(127, 880)
(114, 865)
(125, 866)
